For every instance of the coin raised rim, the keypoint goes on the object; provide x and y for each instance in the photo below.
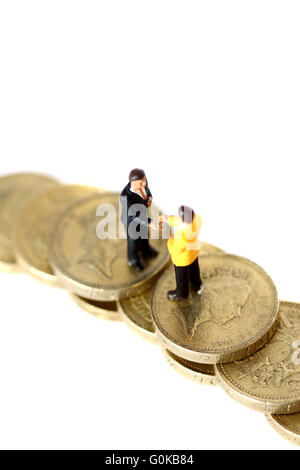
(285, 430)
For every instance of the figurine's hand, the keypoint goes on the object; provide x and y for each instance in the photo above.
(163, 218)
(154, 226)
(149, 202)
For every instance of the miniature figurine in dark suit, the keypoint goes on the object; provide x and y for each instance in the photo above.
(136, 198)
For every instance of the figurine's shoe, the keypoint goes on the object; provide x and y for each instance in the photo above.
(172, 295)
(150, 252)
(199, 291)
(137, 264)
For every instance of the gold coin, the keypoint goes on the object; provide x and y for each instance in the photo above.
(34, 225)
(201, 373)
(288, 426)
(136, 310)
(104, 310)
(8, 261)
(233, 317)
(136, 313)
(14, 189)
(269, 380)
(97, 268)
(207, 248)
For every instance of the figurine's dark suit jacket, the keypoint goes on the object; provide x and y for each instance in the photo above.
(137, 219)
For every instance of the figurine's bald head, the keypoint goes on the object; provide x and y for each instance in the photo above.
(137, 178)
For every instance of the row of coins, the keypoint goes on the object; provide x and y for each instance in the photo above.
(234, 334)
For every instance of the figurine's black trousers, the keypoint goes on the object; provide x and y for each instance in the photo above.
(133, 247)
(184, 274)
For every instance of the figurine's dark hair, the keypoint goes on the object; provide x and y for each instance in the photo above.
(186, 214)
(136, 174)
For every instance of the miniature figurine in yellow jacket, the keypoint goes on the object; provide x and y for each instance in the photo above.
(184, 246)
(184, 249)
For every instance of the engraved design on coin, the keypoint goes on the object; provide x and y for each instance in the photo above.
(137, 309)
(96, 267)
(272, 367)
(269, 380)
(136, 312)
(233, 317)
(221, 302)
(93, 254)
(141, 306)
(296, 353)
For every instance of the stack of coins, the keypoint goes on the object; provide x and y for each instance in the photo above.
(235, 334)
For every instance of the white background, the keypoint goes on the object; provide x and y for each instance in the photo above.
(205, 97)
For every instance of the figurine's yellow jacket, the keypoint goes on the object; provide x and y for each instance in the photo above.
(183, 246)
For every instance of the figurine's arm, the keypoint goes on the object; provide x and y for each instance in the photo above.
(172, 220)
(140, 221)
(163, 218)
(143, 222)
(149, 195)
